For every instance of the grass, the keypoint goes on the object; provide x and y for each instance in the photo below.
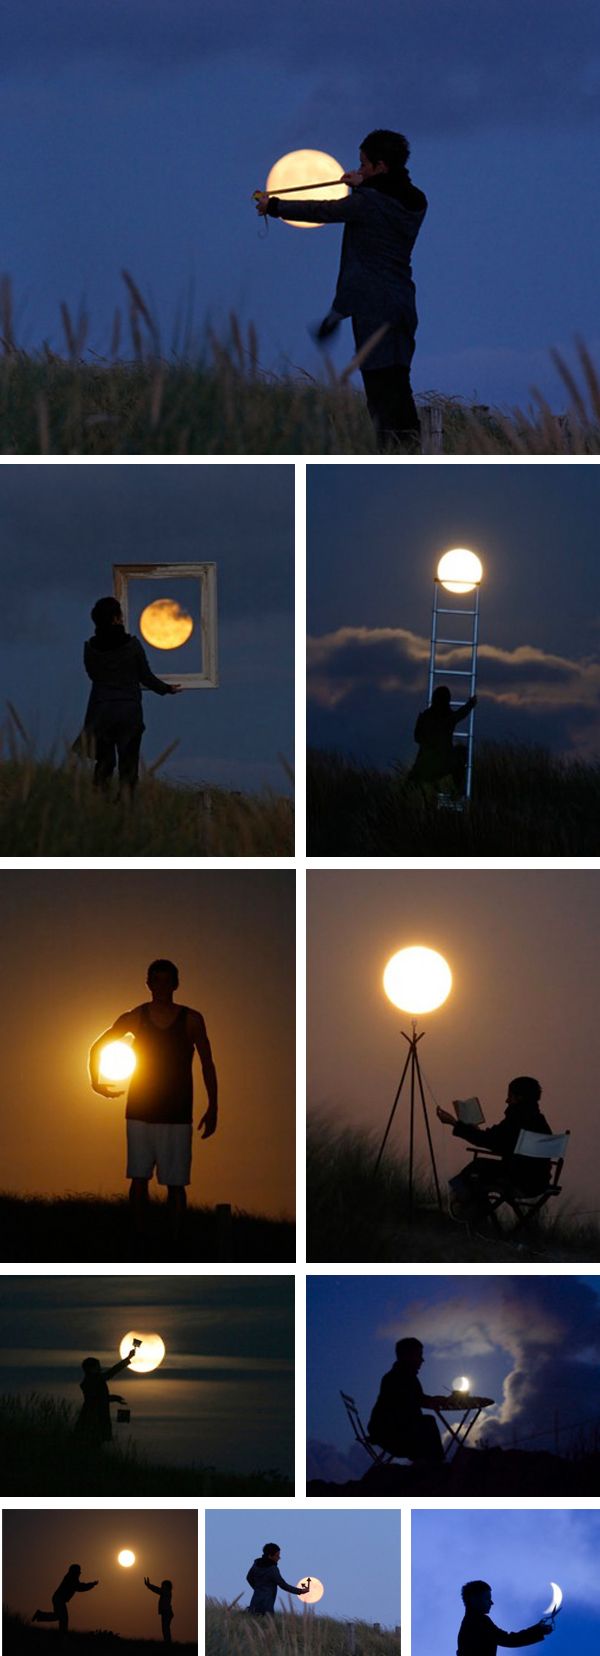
(18, 1636)
(356, 1215)
(39, 1455)
(89, 1230)
(291, 1632)
(526, 802)
(217, 399)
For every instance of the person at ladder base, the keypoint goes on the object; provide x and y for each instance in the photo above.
(438, 760)
(382, 218)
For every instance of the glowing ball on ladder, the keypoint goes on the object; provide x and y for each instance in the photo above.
(149, 1354)
(459, 570)
(312, 167)
(165, 625)
(117, 1061)
(315, 1591)
(417, 980)
(126, 1558)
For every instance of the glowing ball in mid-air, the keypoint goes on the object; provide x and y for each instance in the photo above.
(315, 1592)
(556, 1600)
(462, 1384)
(306, 167)
(417, 980)
(165, 624)
(459, 570)
(117, 1061)
(148, 1355)
(126, 1558)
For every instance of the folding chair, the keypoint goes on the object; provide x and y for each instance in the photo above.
(550, 1147)
(381, 1457)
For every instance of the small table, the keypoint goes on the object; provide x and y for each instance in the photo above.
(459, 1403)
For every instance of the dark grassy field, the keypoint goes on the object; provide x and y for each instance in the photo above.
(477, 1472)
(88, 1230)
(19, 1638)
(291, 1632)
(40, 1456)
(357, 1216)
(140, 398)
(525, 803)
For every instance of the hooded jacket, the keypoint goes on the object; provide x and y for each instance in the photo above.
(381, 219)
(118, 666)
(264, 1576)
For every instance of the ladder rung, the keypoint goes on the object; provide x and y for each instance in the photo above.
(452, 672)
(440, 611)
(467, 643)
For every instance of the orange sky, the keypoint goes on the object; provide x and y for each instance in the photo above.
(74, 952)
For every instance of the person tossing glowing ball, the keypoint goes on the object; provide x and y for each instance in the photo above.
(306, 168)
(315, 1592)
(459, 570)
(126, 1558)
(150, 1351)
(117, 1061)
(417, 980)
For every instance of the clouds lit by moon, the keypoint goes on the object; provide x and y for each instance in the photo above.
(149, 1355)
(165, 625)
(310, 167)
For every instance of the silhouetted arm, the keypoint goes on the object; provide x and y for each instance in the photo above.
(499, 1139)
(463, 712)
(109, 1374)
(145, 674)
(203, 1048)
(286, 1585)
(351, 209)
(85, 1586)
(150, 1585)
(528, 1636)
(126, 1024)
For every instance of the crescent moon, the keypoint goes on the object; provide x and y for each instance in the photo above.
(556, 1600)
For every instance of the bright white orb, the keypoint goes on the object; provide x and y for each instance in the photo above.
(117, 1061)
(556, 1600)
(316, 1590)
(462, 1384)
(459, 570)
(148, 1355)
(126, 1558)
(312, 167)
(417, 980)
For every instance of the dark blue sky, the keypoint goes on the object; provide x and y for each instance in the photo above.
(137, 130)
(375, 535)
(61, 530)
(519, 1554)
(325, 1544)
(530, 1343)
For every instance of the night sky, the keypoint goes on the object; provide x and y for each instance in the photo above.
(144, 127)
(61, 530)
(325, 1544)
(223, 1395)
(208, 923)
(519, 1554)
(37, 1548)
(530, 1343)
(522, 948)
(375, 536)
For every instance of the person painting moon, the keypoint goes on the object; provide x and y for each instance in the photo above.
(382, 217)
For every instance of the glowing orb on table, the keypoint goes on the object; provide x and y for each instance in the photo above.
(165, 624)
(417, 980)
(126, 1558)
(556, 1600)
(462, 1384)
(315, 1592)
(148, 1355)
(117, 1061)
(310, 167)
(459, 570)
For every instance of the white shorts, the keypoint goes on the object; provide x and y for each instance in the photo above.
(164, 1145)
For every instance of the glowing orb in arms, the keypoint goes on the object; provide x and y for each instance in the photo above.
(117, 1061)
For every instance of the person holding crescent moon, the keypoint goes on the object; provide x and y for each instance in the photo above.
(478, 1634)
(264, 1577)
(381, 217)
(159, 1112)
(119, 669)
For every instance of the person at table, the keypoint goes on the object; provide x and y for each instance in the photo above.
(478, 1634)
(527, 1174)
(397, 1422)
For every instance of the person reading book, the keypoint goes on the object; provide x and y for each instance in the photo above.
(529, 1175)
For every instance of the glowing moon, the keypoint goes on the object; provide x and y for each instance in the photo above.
(462, 1384)
(148, 1355)
(316, 1590)
(310, 167)
(459, 570)
(117, 1061)
(165, 624)
(556, 1600)
(126, 1558)
(417, 980)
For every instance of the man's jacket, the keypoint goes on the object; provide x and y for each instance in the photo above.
(479, 1636)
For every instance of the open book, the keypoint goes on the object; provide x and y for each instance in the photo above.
(468, 1111)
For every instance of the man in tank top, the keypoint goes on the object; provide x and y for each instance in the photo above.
(160, 1098)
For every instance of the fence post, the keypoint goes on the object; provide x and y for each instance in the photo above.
(432, 434)
(351, 1639)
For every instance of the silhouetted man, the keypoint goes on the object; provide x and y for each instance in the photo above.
(160, 1097)
(118, 666)
(479, 1636)
(528, 1174)
(70, 1585)
(165, 1606)
(264, 1578)
(438, 759)
(94, 1422)
(396, 1422)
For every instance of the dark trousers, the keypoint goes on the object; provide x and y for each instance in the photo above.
(59, 1614)
(420, 1441)
(392, 408)
(118, 736)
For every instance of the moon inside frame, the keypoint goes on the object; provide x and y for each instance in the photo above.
(165, 625)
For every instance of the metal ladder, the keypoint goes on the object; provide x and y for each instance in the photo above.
(439, 671)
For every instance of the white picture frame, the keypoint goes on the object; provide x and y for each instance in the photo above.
(207, 678)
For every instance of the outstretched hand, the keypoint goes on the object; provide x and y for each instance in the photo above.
(353, 177)
(208, 1125)
(444, 1115)
(107, 1092)
(261, 202)
(176, 689)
